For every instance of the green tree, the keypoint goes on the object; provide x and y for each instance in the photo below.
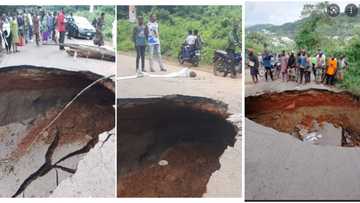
(352, 76)
(213, 23)
(308, 36)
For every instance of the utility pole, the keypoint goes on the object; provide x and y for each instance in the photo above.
(132, 14)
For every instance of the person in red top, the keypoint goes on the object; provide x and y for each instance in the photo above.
(60, 26)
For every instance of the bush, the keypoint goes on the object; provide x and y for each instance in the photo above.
(352, 76)
(213, 22)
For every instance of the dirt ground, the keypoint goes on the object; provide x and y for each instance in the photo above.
(225, 182)
(186, 164)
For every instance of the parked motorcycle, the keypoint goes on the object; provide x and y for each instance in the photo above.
(223, 63)
(189, 54)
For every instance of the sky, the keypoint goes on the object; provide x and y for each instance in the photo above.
(279, 12)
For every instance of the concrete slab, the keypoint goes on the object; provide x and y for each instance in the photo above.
(281, 167)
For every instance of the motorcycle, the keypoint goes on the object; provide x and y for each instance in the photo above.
(223, 63)
(190, 54)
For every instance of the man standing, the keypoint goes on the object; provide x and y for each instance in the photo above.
(320, 67)
(21, 29)
(99, 36)
(154, 42)
(233, 42)
(53, 37)
(7, 34)
(266, 58)
(253, 63)
(331, 71)
(190, 39)
(26, 26)
(284, 59)
(292, 66)
(30, 28)
(60, 24)
(302, 65)
(139, 39)
(36, 28)
(198, 40)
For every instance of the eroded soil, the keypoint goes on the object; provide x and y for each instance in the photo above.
(188, 134)
(288, 110)
(30, 98)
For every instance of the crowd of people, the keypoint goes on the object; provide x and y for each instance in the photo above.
(22, 27)
(297, 67)
(26, 26)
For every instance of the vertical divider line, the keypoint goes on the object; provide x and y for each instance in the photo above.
(243, 18)
(116, 87)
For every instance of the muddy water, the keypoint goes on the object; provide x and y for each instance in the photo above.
(170, 146)
(337, 114)
(30, 98)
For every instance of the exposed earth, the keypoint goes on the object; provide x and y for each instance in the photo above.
(302, 142)
(188, 158)
(35, 156)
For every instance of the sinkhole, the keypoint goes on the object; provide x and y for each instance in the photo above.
(33, 163)
(170, 146)
(320, 117)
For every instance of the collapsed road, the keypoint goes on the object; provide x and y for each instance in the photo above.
(32, 161)
(170, 146)
(298, 112)
(302, 144)
(225, 173)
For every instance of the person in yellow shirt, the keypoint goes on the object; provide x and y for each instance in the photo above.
(331, 71)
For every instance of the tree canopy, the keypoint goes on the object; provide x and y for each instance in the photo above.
(213, 22)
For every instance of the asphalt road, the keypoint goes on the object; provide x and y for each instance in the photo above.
(51, 56)
(205, 84)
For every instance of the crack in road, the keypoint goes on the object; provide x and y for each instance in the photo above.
(44, 169)
(106, 139)
(48, 166)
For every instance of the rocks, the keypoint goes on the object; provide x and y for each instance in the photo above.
(163, 163)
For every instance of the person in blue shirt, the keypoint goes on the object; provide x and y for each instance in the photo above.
(139, 39)
(302, 63)
(266, 60)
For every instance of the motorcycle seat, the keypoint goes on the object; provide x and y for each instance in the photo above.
(221, 52)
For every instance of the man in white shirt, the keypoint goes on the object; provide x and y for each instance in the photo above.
(190, 39)
(320, 65)
(154, 43)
